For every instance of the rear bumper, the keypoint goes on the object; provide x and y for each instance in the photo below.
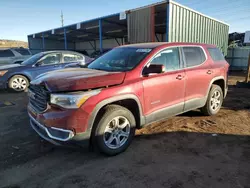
(58, 136)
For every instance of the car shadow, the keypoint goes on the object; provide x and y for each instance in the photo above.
(194, 113)
(237, 98)
(243, 85)
(168, 158)
(6, 91)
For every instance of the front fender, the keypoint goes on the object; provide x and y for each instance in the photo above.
(20, 73)
(112, 100)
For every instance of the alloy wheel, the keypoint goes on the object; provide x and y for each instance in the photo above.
(215, 101)
(19, 84)
(117, 132)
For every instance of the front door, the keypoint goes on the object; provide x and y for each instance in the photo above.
(164, 93)
(47, 63)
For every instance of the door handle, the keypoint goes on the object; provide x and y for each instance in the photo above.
(209, 72)
(179, 77)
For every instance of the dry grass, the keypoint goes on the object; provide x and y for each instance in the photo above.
(12, 43)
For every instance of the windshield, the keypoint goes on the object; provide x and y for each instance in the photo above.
(120, 59)
(32, 59)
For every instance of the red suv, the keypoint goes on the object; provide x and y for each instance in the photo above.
(127, 88)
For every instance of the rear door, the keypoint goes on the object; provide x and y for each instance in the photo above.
(164, 93)
(198, 76)
(47, 63)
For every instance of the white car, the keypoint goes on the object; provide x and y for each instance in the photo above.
(13, 55)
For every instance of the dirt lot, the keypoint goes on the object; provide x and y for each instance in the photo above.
(182, 151)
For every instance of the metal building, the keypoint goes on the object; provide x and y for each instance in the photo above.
(164, 21)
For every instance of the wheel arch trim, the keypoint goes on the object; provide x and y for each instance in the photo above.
(213, 80)
(110, 100)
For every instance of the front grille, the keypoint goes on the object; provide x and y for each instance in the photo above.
(38, 97)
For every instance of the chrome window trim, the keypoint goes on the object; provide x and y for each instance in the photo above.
(182, 57)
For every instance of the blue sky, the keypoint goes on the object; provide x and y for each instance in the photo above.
(23, 17)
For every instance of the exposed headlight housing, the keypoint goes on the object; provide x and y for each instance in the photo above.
(72, 100)
(3, 72)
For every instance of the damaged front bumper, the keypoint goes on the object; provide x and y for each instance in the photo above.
(58, 136)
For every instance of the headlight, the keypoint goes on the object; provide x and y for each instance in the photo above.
(72, 100)
(3, 72)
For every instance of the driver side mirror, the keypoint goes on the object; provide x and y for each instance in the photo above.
(153, 69)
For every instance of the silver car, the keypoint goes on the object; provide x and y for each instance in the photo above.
(13, 55)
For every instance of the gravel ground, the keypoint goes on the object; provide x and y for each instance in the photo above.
(190, 150)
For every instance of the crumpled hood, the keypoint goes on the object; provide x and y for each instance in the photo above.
(76, 79)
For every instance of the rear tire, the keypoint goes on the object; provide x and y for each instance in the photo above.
(214, 101)
(18, 83)
(115, 130)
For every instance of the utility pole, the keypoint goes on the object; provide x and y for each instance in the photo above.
(62, 17)
(248, 70)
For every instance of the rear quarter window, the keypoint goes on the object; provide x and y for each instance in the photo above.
(6, 53)
(23, 51)
(216, 54)
(194, 56)
(79, 57)
(69, 58)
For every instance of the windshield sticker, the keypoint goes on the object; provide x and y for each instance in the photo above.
(158, 55)
(167, 51)
(144, 50)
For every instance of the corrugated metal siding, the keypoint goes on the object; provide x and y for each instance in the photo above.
(140, 26)
(238, 58)
(36, 45)
(189, 26)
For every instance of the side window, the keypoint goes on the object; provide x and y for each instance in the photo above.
(194, 56)
(6, 53)
(69, 58)
(50, 59)
(216, 54)
(22, 51)
(169, 58)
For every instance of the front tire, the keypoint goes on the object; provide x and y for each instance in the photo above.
(115, 130)
(18, 83)
(214, 101)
